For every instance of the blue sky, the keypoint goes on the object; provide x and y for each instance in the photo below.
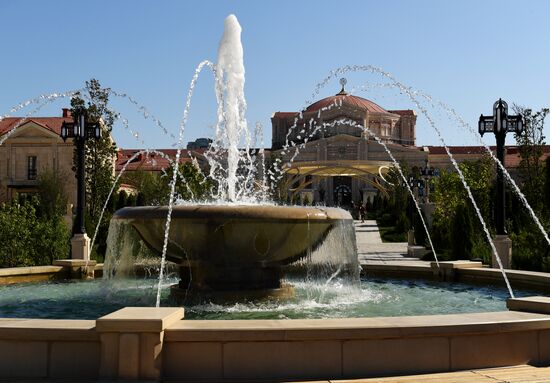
(465, 53)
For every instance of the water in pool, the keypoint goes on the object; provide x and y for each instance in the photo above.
(374, 297)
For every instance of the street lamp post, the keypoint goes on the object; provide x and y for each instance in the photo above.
(427, 173)
(414, 184)
(501, 123)
(420, 186)
(80, 130)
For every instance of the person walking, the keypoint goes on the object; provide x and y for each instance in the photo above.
(362, 212)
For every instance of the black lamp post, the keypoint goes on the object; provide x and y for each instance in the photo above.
(426, 174)
(413, 183)
(500, 123)
(80, 130)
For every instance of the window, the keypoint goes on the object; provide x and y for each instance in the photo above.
(31, 167)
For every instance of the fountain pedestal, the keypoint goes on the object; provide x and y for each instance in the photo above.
(230, 248)
(80, 247)
(503, 244)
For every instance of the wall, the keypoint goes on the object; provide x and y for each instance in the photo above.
(154, 343)
(52, 153)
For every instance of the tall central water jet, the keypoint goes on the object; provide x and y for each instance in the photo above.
(230, 79)
(234, 246)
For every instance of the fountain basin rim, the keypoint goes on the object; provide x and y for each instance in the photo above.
(487, 331)
(254, 212)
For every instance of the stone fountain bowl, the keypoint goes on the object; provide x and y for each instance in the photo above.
(242, 234)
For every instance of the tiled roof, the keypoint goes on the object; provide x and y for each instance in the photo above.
(512, 158)
(284, 114)
(152, 162)
(51, 123)
(458, 149)
(511, 149)
(403, 112)
(346, 100)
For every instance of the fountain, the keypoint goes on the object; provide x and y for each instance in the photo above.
(234, 247)
(240, 244)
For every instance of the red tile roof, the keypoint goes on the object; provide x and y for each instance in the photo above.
(285, 114)
(512, 158)
(152, 162)
(346, 100)
(511, 149)
(51, 123)
(403, 112)
(458, 149)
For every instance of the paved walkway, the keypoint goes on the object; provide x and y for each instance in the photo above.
(515, 374)
(371, 249)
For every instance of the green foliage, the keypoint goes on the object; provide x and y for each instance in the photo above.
(386, 219)
(52, 194)
(531, 148)
(530, 250)
(462, 233)
(402, 225)
(191, 183)
(121, 200)
(153, 188)
(420, 236)
(456, 229)
(547, 186)
(194, 185)
(29, 239)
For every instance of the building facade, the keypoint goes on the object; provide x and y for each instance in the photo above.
(34, 147)
(334, 152)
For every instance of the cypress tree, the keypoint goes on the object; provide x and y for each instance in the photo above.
(462, 233)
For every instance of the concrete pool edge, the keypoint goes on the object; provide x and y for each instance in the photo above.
(152, 344)
(458, 271)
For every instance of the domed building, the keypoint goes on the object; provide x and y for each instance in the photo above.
(329, 151)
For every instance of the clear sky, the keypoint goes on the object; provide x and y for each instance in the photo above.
(466, 53)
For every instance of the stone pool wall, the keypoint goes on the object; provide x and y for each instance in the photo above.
(155, 344)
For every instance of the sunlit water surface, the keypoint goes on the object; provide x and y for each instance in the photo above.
(374, 297)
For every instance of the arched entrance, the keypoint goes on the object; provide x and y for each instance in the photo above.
(342, 191)
(302, 175)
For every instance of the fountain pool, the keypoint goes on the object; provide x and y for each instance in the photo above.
(107, 329)
(374, 297)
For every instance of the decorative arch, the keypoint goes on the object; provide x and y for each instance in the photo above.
(370, 172)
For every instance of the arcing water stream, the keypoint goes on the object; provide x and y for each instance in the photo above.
(410, 93)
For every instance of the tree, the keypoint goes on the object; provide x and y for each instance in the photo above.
(152, 187)
(101, 153)
(547, 186)
(191, 184)
(29, 238)
(462, 233)
(52, 194)
(531, 148)
(453, 207)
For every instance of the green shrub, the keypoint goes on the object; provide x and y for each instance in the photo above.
(386, 220)
(462, 233)
(29, 240)
(530, 251)
(402, 225)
